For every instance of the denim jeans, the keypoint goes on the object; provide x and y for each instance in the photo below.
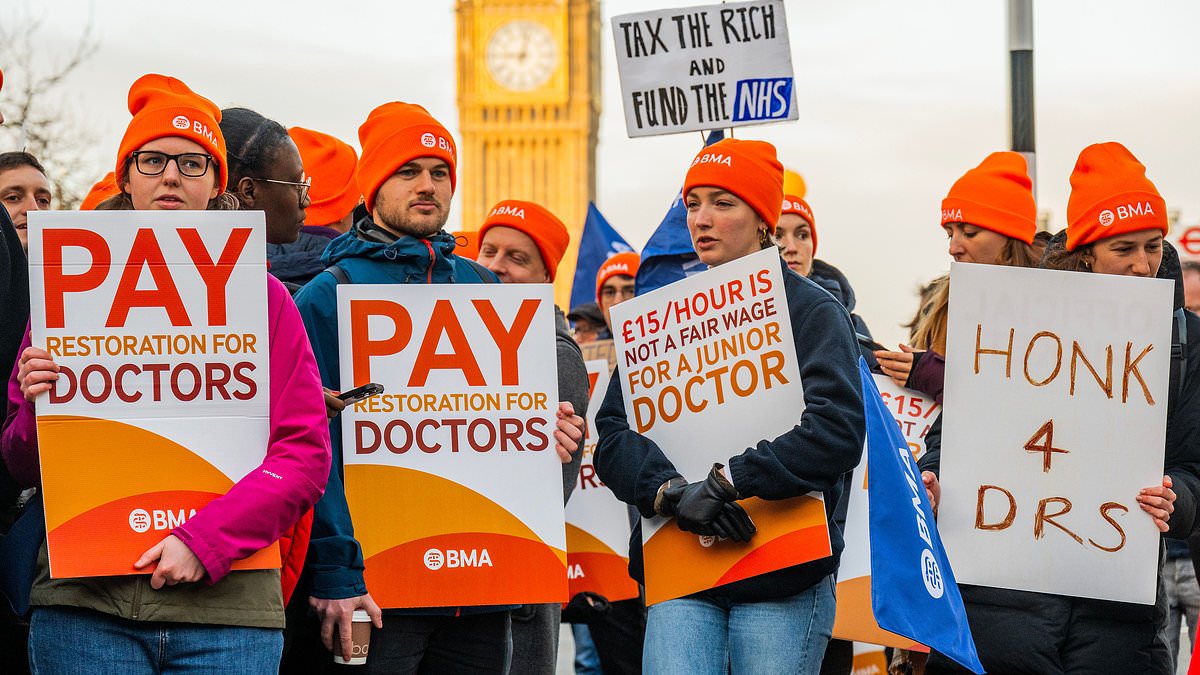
(698, 635)
(70, 641)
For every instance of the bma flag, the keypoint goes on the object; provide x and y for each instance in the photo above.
(913, 592)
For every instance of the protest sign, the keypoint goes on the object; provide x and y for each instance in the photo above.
(914, 413)
(451, 474)
(158, 322)
(1055, 419)
(692, 356)
(597, 522)
(707, 67)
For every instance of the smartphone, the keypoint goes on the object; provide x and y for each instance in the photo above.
(359, 393)
(869, 343)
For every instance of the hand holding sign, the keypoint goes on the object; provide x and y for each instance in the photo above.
(37, 373)
(176, 563)
(1159, 502)
(569, 432)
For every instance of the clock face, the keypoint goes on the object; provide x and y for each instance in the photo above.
(522, 55)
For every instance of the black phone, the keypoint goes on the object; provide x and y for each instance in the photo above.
(359, 393)
(869, 343)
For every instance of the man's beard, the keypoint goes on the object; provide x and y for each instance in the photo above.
(398, 220)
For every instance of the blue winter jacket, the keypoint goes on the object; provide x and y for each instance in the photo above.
(334, 568)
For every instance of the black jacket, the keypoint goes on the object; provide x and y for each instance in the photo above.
(831, 279)
(813, 456)
(1024, 632)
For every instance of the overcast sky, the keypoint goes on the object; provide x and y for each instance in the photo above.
(897, 100)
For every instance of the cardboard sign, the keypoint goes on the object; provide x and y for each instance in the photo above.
(1055, 418)
(158, 322)
(597, 522)
(693, 356)
(855, 620)
(708, 67)
(451, 474)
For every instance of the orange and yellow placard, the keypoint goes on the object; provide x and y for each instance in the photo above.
(597, 522)
(452, 478)
(158, 322)
(708, 369)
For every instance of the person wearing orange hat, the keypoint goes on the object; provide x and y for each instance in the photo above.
(522, 242)
(102, 190)
(23, 188)
(615, 284)
(406, 174)
(1116, 220)
(186, 608)
(796, 235)
(779, 621)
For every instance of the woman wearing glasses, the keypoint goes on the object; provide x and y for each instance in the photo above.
(188, 612)
(265, 172)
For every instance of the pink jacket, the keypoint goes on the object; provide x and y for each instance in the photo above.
(260, 507)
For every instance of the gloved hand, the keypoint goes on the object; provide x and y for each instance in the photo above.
(710, 508)
(668, 496)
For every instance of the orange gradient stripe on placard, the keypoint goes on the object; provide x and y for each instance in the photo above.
(790, 532)
(400, 514)
(855, 620)
(599, 568)
(96, 473)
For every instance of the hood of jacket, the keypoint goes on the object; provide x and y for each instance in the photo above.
(410, 260)
(831, 279)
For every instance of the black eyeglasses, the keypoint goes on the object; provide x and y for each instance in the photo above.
(190, 164)
(301, 187)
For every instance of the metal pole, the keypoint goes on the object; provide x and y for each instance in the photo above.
(1020, 51)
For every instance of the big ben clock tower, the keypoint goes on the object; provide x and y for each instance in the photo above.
(528, 105)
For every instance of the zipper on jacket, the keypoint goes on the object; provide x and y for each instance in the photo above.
(137, 596)
(432, 259)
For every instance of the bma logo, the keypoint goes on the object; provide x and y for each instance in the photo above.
(450, 558)
(931, 574)
(506, 210)
(952, 216)
(1123, 211)
(713, 158)
(707, 540)
(575, 571)
(141, 520)
(428, 140)
(181, 122)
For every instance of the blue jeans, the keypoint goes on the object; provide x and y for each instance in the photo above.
(71, 641)
(696, 635)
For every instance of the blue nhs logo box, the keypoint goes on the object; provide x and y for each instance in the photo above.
(763, 99)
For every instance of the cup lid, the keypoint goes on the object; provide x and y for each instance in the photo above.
(361, 615)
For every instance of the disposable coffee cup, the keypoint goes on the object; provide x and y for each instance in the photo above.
(360, 634)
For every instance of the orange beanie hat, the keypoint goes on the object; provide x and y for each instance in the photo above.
(395, 134)
(996, 195)
(621, 264)
(103, 189)
(748, 169)
(796, 205)
(1111, 195)
(544, 228)
(164, 106)
(466, 244)
(330, 164)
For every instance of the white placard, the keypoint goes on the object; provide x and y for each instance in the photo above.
(1046, 440)
(706, 67)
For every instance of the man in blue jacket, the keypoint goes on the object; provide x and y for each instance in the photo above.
(407, 175)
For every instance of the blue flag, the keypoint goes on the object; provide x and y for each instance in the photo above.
(913, 592)
(598, 243)
(668, 255)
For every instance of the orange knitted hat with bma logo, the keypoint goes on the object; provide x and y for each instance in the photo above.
(535, 221)
(996, 195)
(164, 106)
(748, 169)
(330, 164)
(395, 134)
(1111, 195)
(621, 264)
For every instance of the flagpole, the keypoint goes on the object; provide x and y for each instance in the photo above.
(1020, 50)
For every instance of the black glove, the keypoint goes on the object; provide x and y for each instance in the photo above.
(668, 496)
(710, 508)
